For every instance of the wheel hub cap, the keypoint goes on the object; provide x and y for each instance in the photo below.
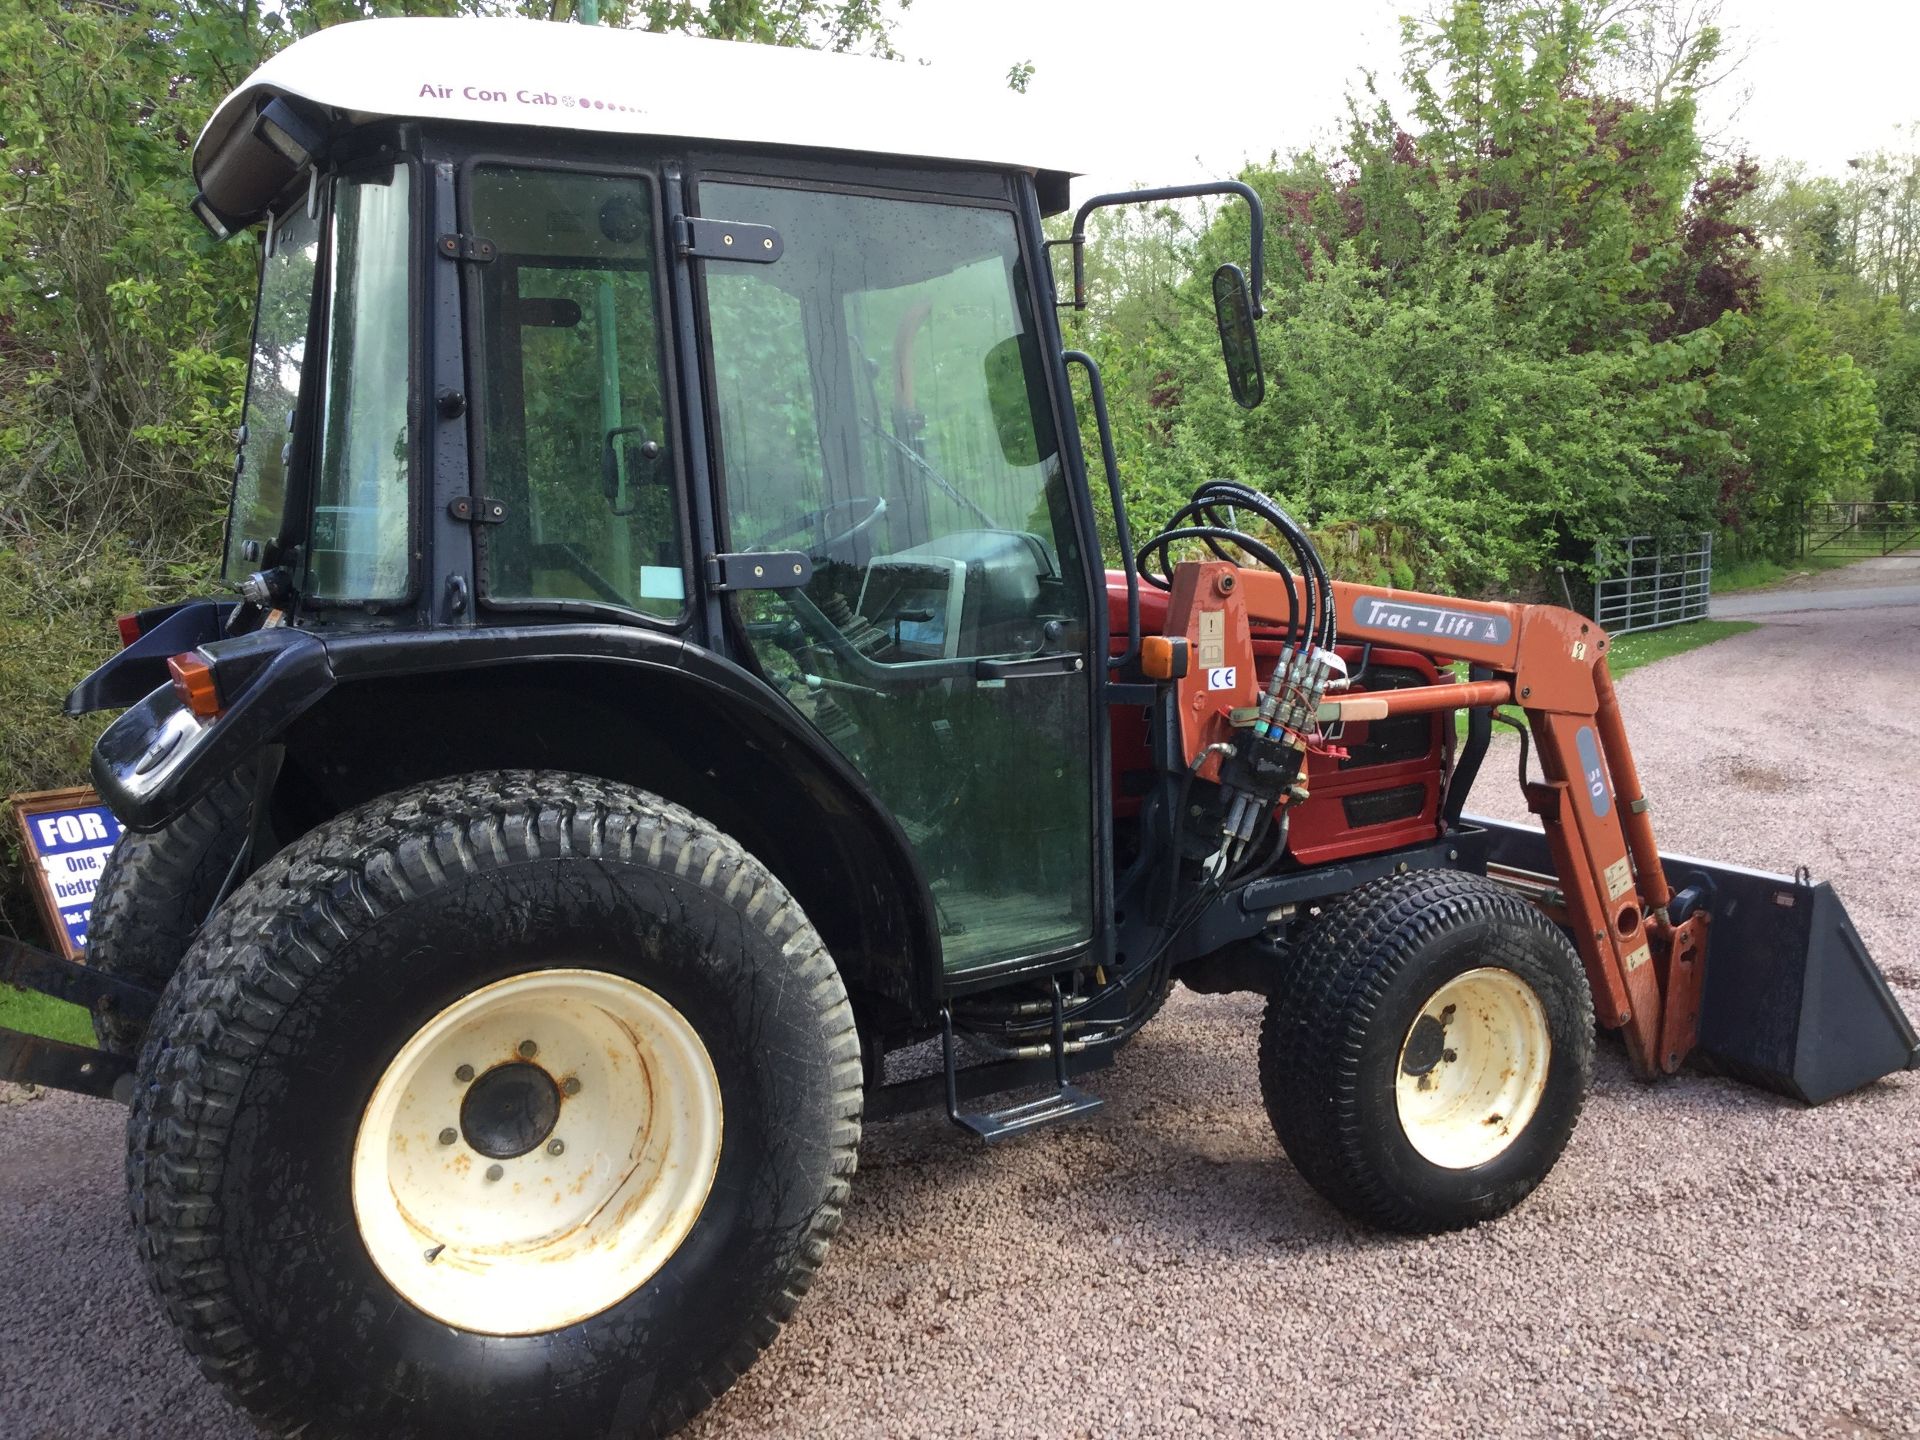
(537, 1151)
(1473, 1068)
(510, 1110)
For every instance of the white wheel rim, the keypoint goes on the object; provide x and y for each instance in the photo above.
(527, 1243)
(1465, 1093)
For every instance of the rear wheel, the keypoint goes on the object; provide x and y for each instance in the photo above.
(1426, 1054)
(156, 892)
(522, 1101)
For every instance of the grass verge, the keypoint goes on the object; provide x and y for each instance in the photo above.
(1738, 575)
(1630, 652)
(40, 1015)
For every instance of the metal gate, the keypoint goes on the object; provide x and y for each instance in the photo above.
(1860, 527)
(1644, 582)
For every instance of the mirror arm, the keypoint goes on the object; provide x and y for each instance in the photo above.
(1098, 394)
(1078, 240)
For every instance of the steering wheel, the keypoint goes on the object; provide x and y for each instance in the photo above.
(819, 524)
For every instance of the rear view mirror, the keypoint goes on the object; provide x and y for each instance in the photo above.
(626, 461)
(1233, 313)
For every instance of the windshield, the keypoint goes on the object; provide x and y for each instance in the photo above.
(576, 437)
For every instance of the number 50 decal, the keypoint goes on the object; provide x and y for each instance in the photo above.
(1594, 778)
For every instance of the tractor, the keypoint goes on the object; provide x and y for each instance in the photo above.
(669, 708)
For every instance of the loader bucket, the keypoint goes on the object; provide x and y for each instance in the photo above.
(1793, 1003)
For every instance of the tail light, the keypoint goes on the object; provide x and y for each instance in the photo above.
(129, 629)
(193, 682)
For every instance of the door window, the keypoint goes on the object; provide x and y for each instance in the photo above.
(880, 406)
(577, 448)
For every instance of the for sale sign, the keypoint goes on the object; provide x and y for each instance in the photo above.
(68, 835)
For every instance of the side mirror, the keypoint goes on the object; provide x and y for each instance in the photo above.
(625, 458)
(1233, 313)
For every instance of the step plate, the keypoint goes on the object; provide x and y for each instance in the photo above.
(1064, 1104)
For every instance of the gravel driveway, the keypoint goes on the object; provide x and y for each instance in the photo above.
(1706, 1260)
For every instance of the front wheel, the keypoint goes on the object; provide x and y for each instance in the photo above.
(1426, 1053)
(516, 1102)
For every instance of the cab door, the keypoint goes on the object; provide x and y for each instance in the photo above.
(879, 405)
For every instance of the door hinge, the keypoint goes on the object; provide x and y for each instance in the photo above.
(456, 246)
(759, 570)
(726, 240)
(477, 509)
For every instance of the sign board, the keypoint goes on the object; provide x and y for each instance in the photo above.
(68, 835)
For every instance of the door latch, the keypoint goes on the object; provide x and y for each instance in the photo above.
(1027, 667)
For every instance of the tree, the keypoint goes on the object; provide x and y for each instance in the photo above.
(123, 325)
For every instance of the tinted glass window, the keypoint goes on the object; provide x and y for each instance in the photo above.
(881, 407)
(273, 388)
(359, 540)
(576, 437)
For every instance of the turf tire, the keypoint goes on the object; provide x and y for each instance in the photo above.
(287, 1010)
(1330, 1047)
(156, 892)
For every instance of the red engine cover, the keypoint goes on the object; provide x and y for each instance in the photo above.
(1385, 794)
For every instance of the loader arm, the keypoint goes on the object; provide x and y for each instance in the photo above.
(1644, 963)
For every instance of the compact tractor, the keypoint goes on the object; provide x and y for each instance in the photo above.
(670, 707)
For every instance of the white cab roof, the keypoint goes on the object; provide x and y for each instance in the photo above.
(627, 82)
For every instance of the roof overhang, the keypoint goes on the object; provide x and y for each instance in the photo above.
(606, 81)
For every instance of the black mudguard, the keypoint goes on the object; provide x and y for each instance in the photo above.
(1793, 1003)
(142, 666)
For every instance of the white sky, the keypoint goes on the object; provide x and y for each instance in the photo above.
(1188, 90)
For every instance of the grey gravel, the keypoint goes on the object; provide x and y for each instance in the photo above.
(1706, 1261)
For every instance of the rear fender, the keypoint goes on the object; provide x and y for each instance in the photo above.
(136, 670)
(361, 715)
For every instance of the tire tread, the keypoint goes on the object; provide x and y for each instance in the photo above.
(1311, 1039)
(235, 985)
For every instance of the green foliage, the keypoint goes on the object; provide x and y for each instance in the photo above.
(1802, 417)
(1525, 318)
(124, 326)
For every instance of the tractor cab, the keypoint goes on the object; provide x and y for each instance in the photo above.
(548, 340)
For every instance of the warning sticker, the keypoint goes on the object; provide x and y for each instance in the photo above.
(1619, 878)
(1213, 637)
(1638, 957)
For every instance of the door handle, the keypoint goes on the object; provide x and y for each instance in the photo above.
(1029, 666)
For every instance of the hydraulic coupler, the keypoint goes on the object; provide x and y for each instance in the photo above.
(1264, 766)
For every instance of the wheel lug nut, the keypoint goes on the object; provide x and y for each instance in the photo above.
(494, 1172)
(449, 1135)
(554, 1147)
(528, 1049)
(571, 1086)
(463, 1074)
